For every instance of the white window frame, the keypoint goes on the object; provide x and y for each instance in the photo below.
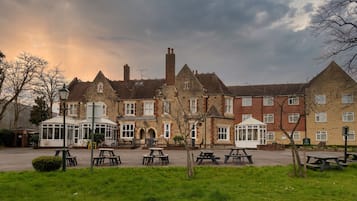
(100, 88)
(186, 85)
(246, 101)
(293, 100)
(268, 118)
(270, 136)
(129, 108)
(149, 107)
(351, 136)
(347, 98)
(296, 135)
(223, 133)
(268, 100)
(167, 130)
(166, 107)
(320, 99)
(193, 105)
(246, 116)
(319, 135)
(320, 117)
(127, 130)
(348, 116)
(293, 117)
(228, 105)
(72, 109)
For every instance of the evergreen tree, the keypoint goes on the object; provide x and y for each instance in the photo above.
(40, 111)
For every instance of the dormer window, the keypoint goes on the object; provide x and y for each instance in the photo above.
(100, 87)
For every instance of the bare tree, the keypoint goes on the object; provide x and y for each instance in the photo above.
(182, 119)
(16, 77)
(337, 21)
(48, 84)
(289, 133)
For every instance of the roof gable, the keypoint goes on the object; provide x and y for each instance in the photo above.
(333, 70)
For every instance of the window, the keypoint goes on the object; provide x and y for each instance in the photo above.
(127, 131)
(351, 136)
(104, 109)
(229, 105)
(293, 117)
(72, 109)
(321, 117)
(223, 133)
(167, 130)
(193, 105)
(187, 85)
(268, 118)
(166, 107)
(320, 99)
(246, 116)
(348, 116)
(347, 98)
(321, 136)
(100, 87)
(193, 131)
(148, 108)
(293, 100)
(270, 136)
(247, 101)
(296, 135)
(268, 100)
(130, 108)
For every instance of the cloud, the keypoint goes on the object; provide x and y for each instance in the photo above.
(242, 41)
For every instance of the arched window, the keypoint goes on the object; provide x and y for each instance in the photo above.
(100, 87)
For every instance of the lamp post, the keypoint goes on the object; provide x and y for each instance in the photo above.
(63, 95)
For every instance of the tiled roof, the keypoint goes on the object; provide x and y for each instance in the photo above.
(137, 89)
(77, 90)
(212, 83)
(268, 90)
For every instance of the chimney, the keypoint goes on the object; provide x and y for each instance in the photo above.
(126, 73)
(170, 67)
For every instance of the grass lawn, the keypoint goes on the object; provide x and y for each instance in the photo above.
(170, 183)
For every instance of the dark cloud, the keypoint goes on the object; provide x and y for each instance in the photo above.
(235, 39)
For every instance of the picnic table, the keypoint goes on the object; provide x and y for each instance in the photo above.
(207, 155)
(156, 152)
(70, 159)
(352, 156)
(238, 154)
(106, 153)
(323, 162)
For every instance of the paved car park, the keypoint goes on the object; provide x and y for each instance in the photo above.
(17, 159)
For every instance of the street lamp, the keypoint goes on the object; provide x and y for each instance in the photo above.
(63, 95)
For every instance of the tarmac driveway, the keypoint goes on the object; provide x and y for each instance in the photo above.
(17, 159)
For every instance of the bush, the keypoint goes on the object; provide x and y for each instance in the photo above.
(6, 137)
(178, 139)
(47, 163)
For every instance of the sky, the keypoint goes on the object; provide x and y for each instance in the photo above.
(242, 41)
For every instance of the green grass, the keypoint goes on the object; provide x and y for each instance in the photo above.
(170, 183)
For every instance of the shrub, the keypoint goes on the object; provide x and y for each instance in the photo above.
(47, 163)
(6, 137)
(178, 139)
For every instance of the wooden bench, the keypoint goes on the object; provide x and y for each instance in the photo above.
(238, 157)
(71, 160)
(114, 160)
(200, 159)
(147, 159)
(164, 159)
(98, 160)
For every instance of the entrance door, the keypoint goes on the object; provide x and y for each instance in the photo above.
(152, 137)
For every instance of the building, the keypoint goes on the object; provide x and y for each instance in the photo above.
(330, 105)
(200, 107)
(278, 106)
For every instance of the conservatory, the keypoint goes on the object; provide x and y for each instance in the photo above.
(77, 131)
(250, 133)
